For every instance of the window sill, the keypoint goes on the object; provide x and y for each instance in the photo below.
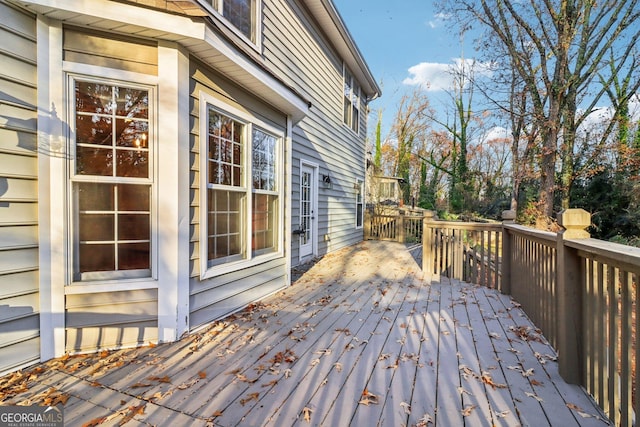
(231, 267)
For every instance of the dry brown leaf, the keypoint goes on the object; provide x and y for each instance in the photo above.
(406, 407)
(202, 374)
(270, 383)
(536, 382)
(539, 399)
(486, 378)
(249, 398)
(94, 422)
(164, 379)
(141, 385)
(467, 410)
(424, 421)
(132, 412)
(368, 398)
(306, 413)
(217, 413)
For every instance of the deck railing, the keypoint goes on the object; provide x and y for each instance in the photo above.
(400, 227)
(581, 292)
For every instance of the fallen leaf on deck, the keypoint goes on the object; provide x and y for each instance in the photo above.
(486, 378)
(406, 407)
(202, 374)
(494, 335)
(94, 422)
(463, 391)
(536, 382)
(306, 413)
(249, 398)
(503, 414)
(164, 379)
(338, 366)
(287, 373)
(368, 398)
(314, 362)
(141, 385)
(270, 383)
(217, 413)
(467, 410)
(424, 421)
(323, 352)
(534, 396)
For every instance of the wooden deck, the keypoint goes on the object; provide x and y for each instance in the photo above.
(359, 340)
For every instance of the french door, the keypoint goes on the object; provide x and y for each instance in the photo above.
(308, 207)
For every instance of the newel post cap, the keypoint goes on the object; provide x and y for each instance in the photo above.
(509, 215)
(574, 222)
(429, 214)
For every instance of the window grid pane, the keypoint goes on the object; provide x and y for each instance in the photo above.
(225, 150)
(265, 213)
(241, 14)
(264, 161)
(114, 231)
(225, 230)
(112, 130)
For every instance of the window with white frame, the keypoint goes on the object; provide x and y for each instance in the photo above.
(111, 180)
(242, 172)
(351, 115)
(359, 203)
(242, 14)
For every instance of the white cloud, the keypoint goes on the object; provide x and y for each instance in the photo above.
(434, 76)
(438, 20)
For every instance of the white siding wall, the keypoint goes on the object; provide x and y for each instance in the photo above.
(295, 48)
(19, 296)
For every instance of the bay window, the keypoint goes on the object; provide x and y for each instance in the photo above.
(242, 178)
(111, 181)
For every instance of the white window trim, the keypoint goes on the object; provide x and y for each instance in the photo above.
(249, 120)
(257, 44)
(78, 71)
(359, 190)
(354, 87)
(314, 206)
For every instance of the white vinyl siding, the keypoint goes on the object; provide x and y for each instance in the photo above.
(295, 47)
(19, 290)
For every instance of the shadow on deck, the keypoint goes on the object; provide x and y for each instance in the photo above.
(359, 339)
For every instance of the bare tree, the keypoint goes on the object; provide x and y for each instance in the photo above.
(559, 51)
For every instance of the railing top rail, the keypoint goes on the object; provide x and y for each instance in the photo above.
(540, 235)
(608, 252)
(437, 223)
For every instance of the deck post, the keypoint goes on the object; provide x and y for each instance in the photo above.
(570, 294)
(400, 227)
(427, 244)
(508, 217)
(367, 224)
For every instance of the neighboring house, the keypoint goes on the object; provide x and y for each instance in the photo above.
(383, 191)
(164, 163)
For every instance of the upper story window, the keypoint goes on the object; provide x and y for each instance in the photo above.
(351, 102)
(241, 14)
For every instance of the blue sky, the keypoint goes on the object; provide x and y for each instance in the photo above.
(405, 43)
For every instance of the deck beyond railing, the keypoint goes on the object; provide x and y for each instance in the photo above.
(581, 292)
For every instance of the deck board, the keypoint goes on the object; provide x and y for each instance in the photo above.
(359, 339)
